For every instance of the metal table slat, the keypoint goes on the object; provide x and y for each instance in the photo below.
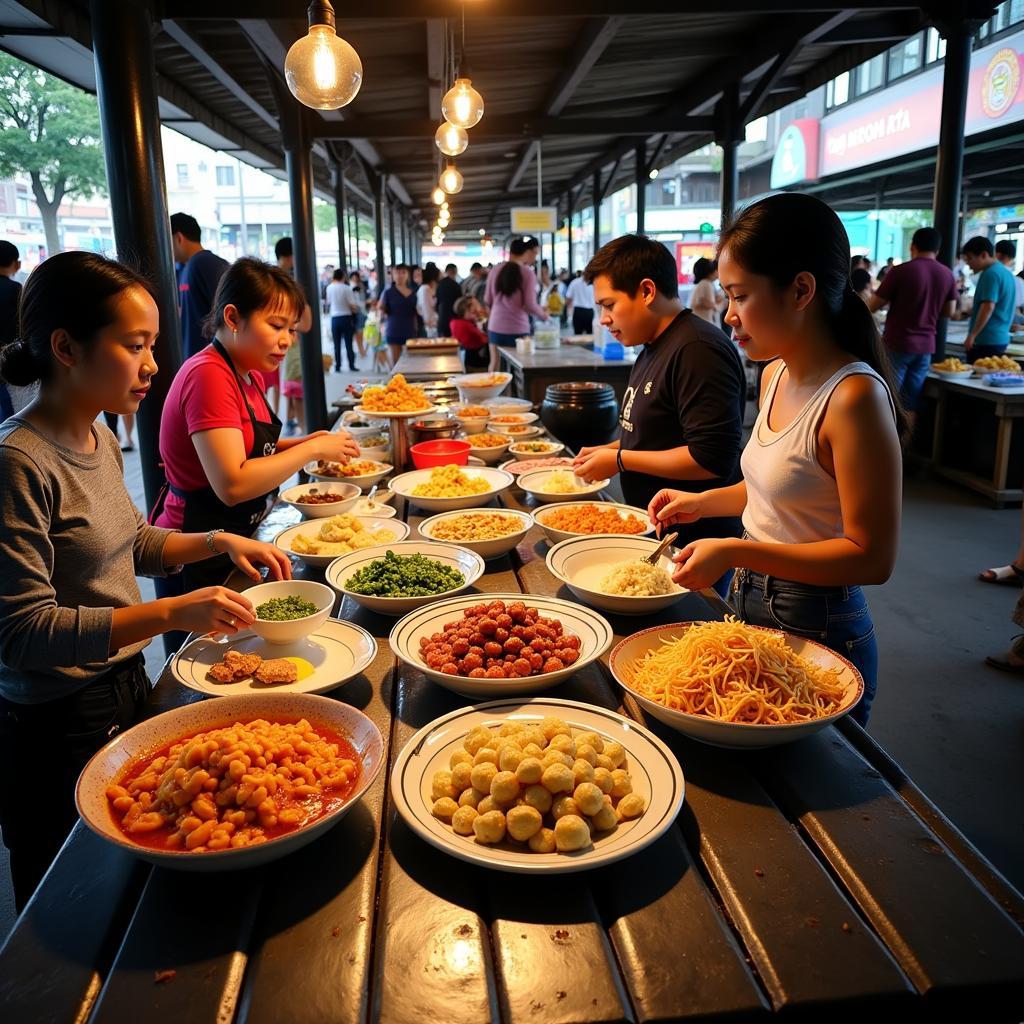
(181, 925)
(326, 923)
(787, 909)
(55, 958)
(946, 931)
(432, 948)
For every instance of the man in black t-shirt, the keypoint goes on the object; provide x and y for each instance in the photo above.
(449, 291)
(682, 413)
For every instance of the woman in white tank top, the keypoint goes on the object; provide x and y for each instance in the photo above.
(821, 493)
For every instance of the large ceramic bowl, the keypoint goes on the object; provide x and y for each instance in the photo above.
(290, 630)
(497, 479)
(154, 734)
(491, 454)
(552, 449)
(474, 388)
(364, 481)
(348, 496)
(503, 420)
(286, 538)
(371, 426)
(469, 563)
(535, 483)
(581, 563)
(472, 424)
(541, 517)
(656, 776)
(732, 734)
(502, 406)
(592, 629)
(484, 548)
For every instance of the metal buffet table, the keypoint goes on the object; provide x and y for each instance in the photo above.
(533, 371)
(814, 879)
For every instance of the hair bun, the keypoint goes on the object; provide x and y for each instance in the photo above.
(18, 366)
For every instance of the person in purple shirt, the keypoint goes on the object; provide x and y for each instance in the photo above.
(198, 281)
(511, 296)
(917, 293)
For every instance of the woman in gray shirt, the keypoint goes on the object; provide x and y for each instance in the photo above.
(72, 623)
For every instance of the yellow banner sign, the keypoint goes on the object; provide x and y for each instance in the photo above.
(533, 220)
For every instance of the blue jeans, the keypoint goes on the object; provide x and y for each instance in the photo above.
(909, 372)
(837, 617)
(503, 340)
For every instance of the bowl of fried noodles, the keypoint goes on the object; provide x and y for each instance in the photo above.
(734, 685)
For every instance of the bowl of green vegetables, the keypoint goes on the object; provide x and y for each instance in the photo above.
(393, 579)
(289, 610)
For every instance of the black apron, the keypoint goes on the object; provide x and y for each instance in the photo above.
(205, 511)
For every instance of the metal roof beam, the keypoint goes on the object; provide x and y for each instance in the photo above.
(695, 95)
(587, 51)
(511, 126)
(279, 10)
(888, 28)
(195, 50)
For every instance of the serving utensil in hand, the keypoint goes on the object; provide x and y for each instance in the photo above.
(652, 558)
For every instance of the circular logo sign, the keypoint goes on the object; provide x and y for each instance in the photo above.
(1002, 79)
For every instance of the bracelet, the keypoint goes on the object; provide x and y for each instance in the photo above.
(209, 541)
(618, 460)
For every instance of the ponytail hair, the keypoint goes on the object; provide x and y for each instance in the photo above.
(789, 233)
(72, 291)
(509, 279)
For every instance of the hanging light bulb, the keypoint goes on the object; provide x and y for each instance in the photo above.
(444, 205)
(437, 195)
(444, 218)
(462, 105)
(450, 180)
(322, 70)
(451, 139)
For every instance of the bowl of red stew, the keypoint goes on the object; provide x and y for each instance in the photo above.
(187, 789)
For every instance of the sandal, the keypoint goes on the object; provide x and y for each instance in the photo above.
(1004, 664)
(1005, 575)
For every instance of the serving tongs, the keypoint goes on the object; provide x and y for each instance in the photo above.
(652, 558)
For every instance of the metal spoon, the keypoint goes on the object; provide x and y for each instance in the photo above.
(652, 558)
(373, 491)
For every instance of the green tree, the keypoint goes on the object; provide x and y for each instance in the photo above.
(51, 132)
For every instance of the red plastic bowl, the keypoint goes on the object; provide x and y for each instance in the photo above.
(428, 454)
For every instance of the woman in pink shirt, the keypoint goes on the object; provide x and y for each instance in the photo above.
(219, 439)
(511, 296)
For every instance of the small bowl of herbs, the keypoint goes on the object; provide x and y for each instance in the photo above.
(289, 610)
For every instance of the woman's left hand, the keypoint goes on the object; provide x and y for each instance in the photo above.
(247, 553)
(702, 562)
(596, 464)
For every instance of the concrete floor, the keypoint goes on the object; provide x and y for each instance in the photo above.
(955, 725)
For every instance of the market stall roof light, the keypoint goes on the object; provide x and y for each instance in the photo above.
(322, 70)
(437, 195)
(451, 139)
(451, 180)
(462, 105)
(483, 231)
(653, 174)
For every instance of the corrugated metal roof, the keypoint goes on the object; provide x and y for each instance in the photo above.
(217, 71)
